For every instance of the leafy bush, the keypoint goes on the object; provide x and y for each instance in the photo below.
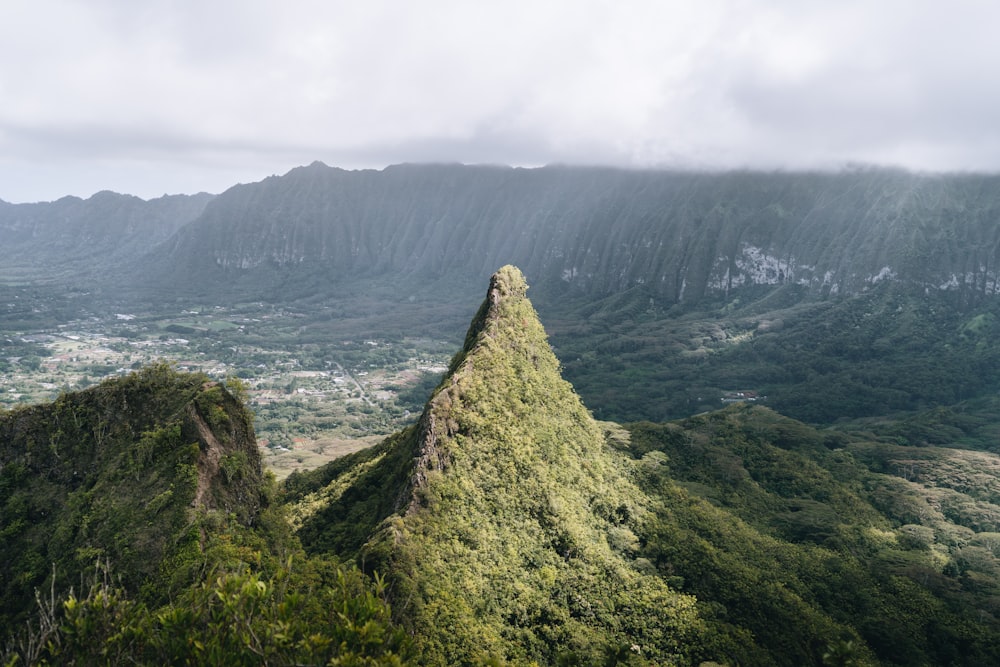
(315, 613)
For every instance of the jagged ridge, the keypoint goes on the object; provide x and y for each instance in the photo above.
(512, 535)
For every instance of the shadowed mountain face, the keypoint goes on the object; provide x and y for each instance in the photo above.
(681, 237)
(77, 238)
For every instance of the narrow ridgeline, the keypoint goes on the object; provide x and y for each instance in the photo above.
(503, 520)
(511, 528)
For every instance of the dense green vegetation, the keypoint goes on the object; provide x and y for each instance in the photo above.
(504, 523)
(512, 527)
(147, 493)
(888, 350)
(73, 470)
(775, 525)
(305, 612)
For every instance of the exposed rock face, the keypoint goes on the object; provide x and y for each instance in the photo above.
(229, 464)
(682, 236)
(439, 424)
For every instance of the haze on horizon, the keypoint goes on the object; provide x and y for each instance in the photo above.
(181, 96)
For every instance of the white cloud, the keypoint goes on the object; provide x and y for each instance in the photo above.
(183, 96)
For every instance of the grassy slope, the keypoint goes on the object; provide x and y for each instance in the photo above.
(799, 539)
(511, 525)
(514, 536)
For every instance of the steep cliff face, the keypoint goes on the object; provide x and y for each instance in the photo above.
(119, 473)
(681, 236)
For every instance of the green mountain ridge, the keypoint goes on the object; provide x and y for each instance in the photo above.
(117, 473)
(72, 238)
(506, 526)
(138, 528)
(512, 536)
(511, 527)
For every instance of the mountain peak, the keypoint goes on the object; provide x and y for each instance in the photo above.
(507, 313)
(504, 507)
(505, 372)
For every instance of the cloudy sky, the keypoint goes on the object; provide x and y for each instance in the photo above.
(178, 96)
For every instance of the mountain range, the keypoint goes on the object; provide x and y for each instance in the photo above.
(681, 236)
(835, 295)
(72, 237)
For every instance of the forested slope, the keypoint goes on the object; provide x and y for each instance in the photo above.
(505, 526)
(681, 236)
(138, 528)
(511, 526)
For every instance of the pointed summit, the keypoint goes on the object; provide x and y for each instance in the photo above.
(505, 523)
(503, 393)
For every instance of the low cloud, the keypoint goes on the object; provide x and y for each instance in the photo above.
(162, 95)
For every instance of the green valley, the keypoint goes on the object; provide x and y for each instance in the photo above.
(315, 395)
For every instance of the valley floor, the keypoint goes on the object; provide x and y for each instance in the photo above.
(314, 401)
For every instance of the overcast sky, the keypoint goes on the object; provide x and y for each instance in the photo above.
(148, 97)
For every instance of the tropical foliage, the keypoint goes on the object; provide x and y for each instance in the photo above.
(149, 489)
(506, 526)
(513, 527)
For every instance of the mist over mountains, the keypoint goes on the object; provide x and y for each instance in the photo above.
(681, 237)
(836, 295)
(507, 524)
(73, 237)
